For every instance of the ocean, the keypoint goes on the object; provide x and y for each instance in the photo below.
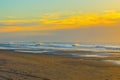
(66, 49)
(54, 47)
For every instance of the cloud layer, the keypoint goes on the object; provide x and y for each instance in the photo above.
(58, 22)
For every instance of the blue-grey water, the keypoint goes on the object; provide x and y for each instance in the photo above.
(65, 49)
(52, 47)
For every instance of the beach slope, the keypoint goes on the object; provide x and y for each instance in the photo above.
(20, 66)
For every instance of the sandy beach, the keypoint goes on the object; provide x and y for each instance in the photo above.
(21, 66)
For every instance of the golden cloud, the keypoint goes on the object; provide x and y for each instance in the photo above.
(87, 19)
(55, 22)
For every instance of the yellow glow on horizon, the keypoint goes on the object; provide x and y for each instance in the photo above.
(54, 22)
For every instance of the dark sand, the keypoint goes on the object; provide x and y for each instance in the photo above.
(20, 66)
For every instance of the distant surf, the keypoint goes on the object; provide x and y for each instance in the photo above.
(57, 48)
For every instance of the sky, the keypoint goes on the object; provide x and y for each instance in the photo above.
(89, 21)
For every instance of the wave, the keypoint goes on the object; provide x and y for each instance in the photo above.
(59, 46)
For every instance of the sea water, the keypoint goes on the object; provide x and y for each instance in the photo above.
(65, 49)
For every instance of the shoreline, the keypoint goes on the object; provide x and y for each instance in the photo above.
(22, 66)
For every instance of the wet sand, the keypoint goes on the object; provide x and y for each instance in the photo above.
(21, 66)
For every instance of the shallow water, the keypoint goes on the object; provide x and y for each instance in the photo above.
(35, 47)
(66, 49)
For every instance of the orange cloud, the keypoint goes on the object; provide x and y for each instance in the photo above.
(87, 19)
(10, 29)
(55, 22)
